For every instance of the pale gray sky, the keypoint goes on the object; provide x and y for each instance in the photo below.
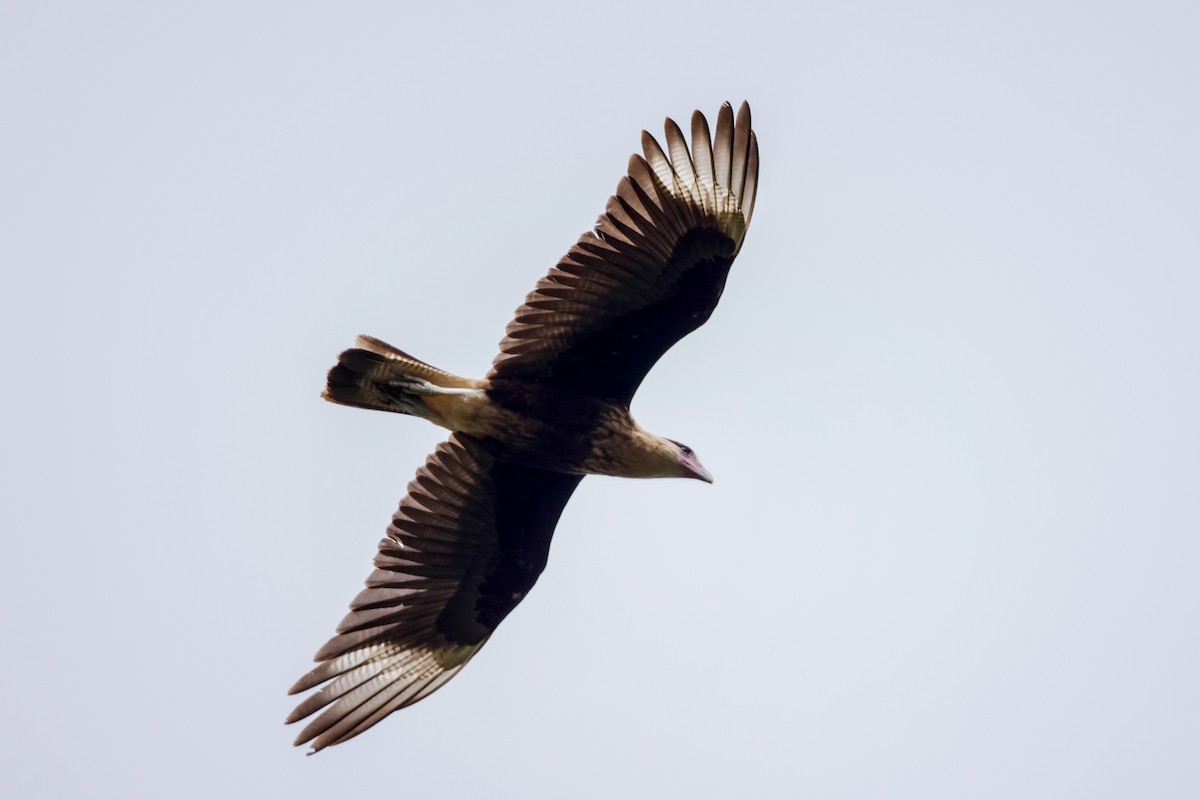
(949, 396)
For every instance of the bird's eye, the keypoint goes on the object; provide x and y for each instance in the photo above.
(687, 451)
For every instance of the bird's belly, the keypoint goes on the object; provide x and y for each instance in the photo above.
(533, 442)
(535, 425)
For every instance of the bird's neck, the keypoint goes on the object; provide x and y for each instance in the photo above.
(622, 448)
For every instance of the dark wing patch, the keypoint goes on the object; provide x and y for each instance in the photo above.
(466, 544)
(650, 272)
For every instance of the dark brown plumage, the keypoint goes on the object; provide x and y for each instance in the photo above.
(473, 533)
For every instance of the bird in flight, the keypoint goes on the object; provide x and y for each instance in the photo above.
(473, 533)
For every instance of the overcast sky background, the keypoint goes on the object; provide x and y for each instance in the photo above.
(950, 396)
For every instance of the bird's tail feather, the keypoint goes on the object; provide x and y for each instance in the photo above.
(376, 375)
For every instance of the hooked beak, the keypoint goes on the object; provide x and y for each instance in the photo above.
(695, 468)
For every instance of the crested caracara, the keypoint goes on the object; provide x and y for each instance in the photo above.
(472, 535)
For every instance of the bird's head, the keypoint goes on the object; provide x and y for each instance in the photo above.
(689, 463)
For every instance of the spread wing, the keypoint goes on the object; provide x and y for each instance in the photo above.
(650, 272)
(467, 543)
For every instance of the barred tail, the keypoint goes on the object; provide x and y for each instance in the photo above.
(376, 375)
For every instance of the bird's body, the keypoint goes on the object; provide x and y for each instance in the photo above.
(518, 419)
(473, 534)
